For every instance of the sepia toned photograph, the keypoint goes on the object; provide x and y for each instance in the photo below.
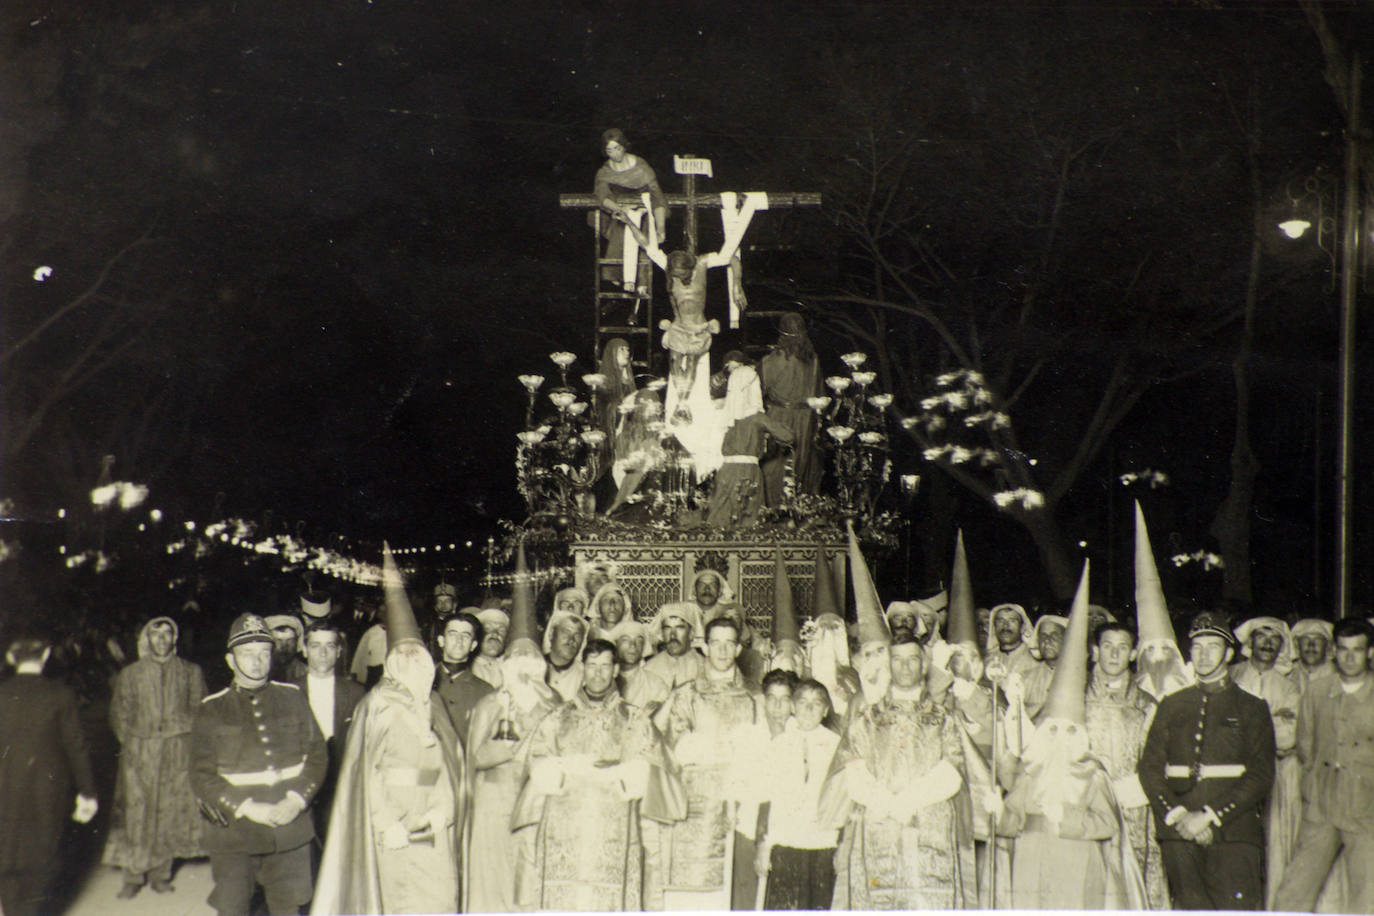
(609, 456)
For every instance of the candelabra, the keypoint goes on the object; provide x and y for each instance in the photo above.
(851, 424)
(562, 451)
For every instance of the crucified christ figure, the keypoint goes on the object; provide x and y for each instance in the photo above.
(687, 338)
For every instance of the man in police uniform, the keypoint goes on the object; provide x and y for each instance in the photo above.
(1206, 768)
(257, 760)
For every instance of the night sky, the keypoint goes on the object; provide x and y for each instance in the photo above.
(344, 238)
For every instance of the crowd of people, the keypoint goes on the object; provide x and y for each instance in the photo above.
(928, 755)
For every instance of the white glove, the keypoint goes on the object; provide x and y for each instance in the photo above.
(439, 820)
(86, 807)
(992, 802)
(546, 775)
(634, 779)
(1129, 793)
(1014, 687)
(395, 836)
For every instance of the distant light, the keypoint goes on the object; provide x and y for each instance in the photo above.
(468, 544)
(42, 274)
(438, 547)
(1294, 228)
(155, 515)
(61, 513)
(62, 549)
(190, 526)
(1083, 544)
(142, 526)
(455, 546)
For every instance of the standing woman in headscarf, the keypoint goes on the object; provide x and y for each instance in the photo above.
(737, 498)
(790, 374)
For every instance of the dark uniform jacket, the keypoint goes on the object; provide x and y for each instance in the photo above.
(1196, 731)
(460, 693)
(256, 744)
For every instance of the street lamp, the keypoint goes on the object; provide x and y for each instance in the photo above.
(1294, 228)
(1350, 255)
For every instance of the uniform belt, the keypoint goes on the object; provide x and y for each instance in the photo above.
(402, 777)
(268, 777)
(1205, 771)
(739, 459)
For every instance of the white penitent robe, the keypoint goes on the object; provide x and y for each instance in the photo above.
(493, 849)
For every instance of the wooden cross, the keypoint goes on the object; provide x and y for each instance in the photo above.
(690, 201)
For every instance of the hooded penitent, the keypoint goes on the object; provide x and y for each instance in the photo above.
(827, 599)
(872, 663)
(784, 611)
(963, 625)
(868, 608)
(411, 668)
(1066, 695)
(395, 728)
(787, 648)
(400, 618)
(522, 626)
(1160, 668)
(1060, 741)
(962, 631)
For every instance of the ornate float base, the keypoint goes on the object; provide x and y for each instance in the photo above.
(656, 573)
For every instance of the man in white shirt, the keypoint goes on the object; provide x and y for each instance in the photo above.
(332, 701)
(796, 853)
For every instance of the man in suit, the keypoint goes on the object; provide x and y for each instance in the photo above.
(42, 757)
(332, 698)
(454, 681)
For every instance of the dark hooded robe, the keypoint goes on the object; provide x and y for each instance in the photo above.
(790, 374)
